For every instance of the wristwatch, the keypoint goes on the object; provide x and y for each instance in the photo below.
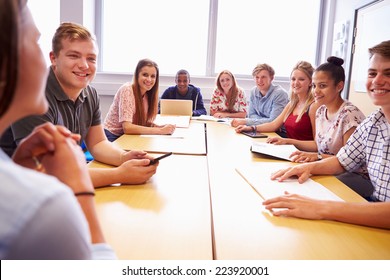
(319, 156)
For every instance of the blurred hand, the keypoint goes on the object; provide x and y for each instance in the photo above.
(134, 155)
(136, 171)
(60, 155)
(221, 115)
(39, 142)
(303, 171)
(167, 129)
(299, 156)
(295, 206)
(277, 140)
(237, 122)
(242, 128)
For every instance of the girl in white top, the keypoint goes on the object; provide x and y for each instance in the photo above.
(331, 131)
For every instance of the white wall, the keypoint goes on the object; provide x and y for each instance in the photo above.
(78, 11)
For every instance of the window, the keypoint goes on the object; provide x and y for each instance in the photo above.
(240, 34)
(173, 33)
(276, 32)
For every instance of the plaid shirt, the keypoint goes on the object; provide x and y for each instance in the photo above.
(369, 146)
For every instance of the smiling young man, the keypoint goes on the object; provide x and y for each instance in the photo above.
(186, 91)
(369, 145)
(267, 100)
(74, 104)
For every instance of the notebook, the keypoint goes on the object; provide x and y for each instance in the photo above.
(176, 107)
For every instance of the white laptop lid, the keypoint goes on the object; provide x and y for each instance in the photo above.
(176, 107)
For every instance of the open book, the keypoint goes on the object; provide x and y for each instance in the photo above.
(258, 176)
(279, 151)
(211, 118)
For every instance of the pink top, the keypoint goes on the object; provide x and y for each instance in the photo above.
(122, 109)
(219, 101)
(329, 133)
(301, 130)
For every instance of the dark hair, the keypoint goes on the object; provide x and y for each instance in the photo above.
(382, 49)
(182, 72)
(334, 69)
(152, 95)
(9, 42)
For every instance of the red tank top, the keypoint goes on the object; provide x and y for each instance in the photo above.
(301, 130)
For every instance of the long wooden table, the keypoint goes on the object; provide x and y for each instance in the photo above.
(199, 207)
(244, 230)
(169, 217)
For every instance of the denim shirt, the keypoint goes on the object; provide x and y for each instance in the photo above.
(264, 109)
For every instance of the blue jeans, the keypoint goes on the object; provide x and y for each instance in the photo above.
(358, 183)
(111, 137)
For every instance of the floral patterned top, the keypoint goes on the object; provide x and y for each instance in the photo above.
(330, 132)
(219, 101)
(122, 109)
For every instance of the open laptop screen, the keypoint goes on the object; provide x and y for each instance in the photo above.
(176, 107)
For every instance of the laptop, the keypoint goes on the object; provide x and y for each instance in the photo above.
(176, 107)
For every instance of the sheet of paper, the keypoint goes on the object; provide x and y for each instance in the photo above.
(279, 151)
(179, 121)
(258, 176)
(179, 132)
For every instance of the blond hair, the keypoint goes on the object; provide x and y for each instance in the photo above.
(71, 31)
(308, 69)
(261, 67)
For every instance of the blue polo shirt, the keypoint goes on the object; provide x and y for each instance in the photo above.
(264, 109)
